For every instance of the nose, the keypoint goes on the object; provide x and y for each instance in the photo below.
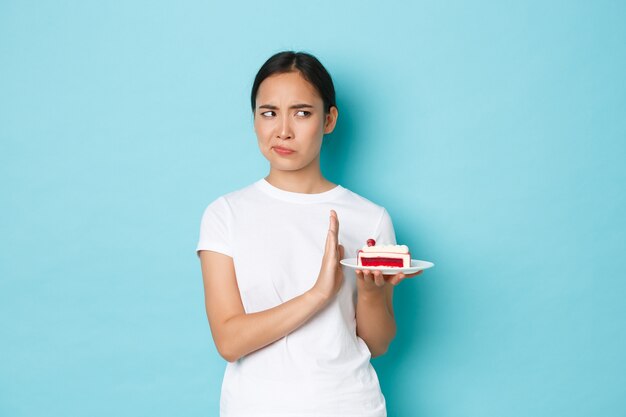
(284, 129)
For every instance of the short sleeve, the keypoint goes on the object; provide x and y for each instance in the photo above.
(385, 233)
(215, 228)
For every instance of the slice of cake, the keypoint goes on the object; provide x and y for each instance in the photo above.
(388, 256)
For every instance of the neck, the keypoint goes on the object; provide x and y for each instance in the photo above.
(306, 181)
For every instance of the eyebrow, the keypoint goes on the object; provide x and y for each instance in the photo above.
(295, 106)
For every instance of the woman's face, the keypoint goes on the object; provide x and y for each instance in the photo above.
(290, 123)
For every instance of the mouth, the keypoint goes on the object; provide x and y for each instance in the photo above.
(282, 151)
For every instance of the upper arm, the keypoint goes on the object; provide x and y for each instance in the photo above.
(221, 293)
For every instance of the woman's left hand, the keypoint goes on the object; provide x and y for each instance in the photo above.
(375, 322)
(371, 280)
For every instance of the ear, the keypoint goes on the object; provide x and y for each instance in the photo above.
(331, 120)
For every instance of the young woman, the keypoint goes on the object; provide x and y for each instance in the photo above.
(296, 329)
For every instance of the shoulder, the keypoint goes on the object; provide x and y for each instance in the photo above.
(363, 219)
(362, 203)
(363, 212)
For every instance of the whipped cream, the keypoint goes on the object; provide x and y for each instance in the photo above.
(386, 248)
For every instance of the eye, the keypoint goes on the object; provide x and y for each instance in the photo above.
(268, 113)
(303, 113)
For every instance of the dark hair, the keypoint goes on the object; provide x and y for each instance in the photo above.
(307, 65)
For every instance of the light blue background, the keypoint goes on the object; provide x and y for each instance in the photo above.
(493, 132)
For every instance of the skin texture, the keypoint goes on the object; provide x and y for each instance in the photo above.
(279, 123)
(290, 123)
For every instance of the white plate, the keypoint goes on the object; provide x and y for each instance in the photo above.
(415, 266)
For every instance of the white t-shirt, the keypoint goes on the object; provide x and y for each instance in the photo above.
(276, 239)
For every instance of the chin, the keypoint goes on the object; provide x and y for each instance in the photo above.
(285, 167)
(288, 165)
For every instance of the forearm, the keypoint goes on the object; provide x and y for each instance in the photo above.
(374, 321)
(244, 333)
(237, 333)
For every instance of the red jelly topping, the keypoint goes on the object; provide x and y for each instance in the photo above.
(382, 262)
(371, 242)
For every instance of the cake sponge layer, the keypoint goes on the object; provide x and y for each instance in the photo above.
(385, 259)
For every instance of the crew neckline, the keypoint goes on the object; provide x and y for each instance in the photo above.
(294, 197)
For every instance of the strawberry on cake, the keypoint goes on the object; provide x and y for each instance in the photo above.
(388, 256)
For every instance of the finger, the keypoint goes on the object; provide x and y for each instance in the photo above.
(339, 254)
(331, 237)
(379, 279)
(334, 228)
(334, 223)
(341, 251)
(397, 278)
(367, 275)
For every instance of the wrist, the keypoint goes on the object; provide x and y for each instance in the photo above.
(371, 293)
(318, 298)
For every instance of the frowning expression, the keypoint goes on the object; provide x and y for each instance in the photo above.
(290, 122)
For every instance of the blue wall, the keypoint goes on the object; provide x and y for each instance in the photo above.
(501, 127)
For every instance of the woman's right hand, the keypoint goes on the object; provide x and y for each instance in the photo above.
(238, 333)
(330, 277)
